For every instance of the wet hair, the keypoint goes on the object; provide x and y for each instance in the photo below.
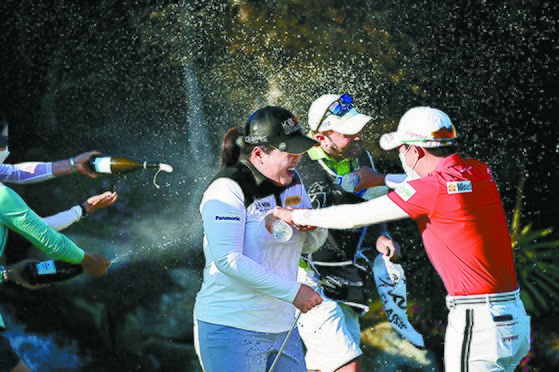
(233, 147)
(230, 150)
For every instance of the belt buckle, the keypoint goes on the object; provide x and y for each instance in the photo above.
(451, 304)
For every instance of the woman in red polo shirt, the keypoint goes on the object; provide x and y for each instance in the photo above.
(460, 216)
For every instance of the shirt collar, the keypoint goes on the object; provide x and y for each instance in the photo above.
(340, 167)
(258, 177)
(316, 153)
(449, 161)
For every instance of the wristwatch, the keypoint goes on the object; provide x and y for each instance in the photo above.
(84, 211)
(73, 164)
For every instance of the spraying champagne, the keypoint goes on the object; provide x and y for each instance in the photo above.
(51, 271)
(119, 164)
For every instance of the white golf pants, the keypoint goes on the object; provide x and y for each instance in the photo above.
(486, 332)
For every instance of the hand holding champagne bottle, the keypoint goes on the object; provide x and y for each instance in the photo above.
(94, 264)
(51, 271)
(33, 274)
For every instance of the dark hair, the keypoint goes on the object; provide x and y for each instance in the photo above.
(233, 145)
(230, 150)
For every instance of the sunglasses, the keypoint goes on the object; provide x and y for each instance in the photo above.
(340, 107)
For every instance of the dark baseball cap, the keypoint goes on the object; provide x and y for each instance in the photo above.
(277, 127)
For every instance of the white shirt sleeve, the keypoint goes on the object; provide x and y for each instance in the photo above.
(349, 216)
(315, 240)
(64, 219)
(224, 215)
(25, 172)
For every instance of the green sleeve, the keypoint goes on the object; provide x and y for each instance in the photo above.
(17, 216)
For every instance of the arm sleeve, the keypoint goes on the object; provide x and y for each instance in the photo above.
(224, 216)
(26, 172)
(16, 215)
(349, 216)
(315, 240)
(62, 220)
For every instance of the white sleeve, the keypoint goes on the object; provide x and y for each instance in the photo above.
(348, 216)
(25, 172)
(315, 240)
(64, 219)
(224, 216)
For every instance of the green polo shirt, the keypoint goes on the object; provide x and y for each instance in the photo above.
(340, 167)
(16, 215)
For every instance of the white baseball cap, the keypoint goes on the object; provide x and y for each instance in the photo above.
(423, 127)
(321, 119)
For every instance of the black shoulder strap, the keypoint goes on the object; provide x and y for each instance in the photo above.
(243, 176)
(365, 159)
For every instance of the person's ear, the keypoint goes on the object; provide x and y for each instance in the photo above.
(420, 152)
(319, 136)
(257, 153)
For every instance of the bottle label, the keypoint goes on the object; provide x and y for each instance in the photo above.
(102, 164)
(45, 268)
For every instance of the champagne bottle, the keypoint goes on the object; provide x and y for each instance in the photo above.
(119, 164)
(50, 272)
(350, 180)
(282, 231)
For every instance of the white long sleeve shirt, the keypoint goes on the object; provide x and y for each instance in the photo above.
(250, 279)
(349, 216)
(62, 220)
(29, 172)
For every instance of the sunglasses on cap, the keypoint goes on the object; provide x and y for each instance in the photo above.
(340, 107)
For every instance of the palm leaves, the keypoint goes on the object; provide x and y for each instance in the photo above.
(536, 262)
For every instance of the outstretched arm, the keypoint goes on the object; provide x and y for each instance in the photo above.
(64, 219)
(346, 216)
(16, 215)
(32, 172)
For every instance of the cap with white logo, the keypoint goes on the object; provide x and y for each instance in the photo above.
(277, 127)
